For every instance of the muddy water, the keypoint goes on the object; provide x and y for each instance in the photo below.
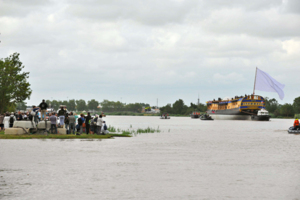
(188, 159)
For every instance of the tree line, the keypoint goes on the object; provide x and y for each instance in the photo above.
(91, 105)
(179, 108)
(285, 110)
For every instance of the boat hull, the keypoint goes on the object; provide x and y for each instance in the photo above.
(260, 117)
(232, 114)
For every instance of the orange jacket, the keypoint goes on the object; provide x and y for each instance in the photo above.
(296, 123)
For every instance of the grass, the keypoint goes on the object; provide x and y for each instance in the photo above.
(114, 132)
(60, 136)
(133, 131)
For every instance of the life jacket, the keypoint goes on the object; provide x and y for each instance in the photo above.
(296, 123)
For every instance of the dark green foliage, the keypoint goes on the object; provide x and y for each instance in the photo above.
(271, 104)
(296, 105)
(14, 87)
(81, 105)
(287, 110)
(21, 106)
(93, 105)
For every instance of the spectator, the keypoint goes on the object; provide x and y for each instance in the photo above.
(35, 111)
(12, 119)
(99, 124)
(2, 122)
(19, 116)
(72, 123)
(53, 120)
(6, 121)
(81, 120)
(61, 115)
(67, 122)
(87, 123)
(43, 107)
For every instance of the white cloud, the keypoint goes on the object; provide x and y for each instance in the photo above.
(231, 78)
(170, 48)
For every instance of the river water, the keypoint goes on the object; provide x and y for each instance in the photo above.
(188, 159)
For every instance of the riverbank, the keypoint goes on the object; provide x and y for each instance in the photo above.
(61, 136)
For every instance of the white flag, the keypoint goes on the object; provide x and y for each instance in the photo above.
(264, 82)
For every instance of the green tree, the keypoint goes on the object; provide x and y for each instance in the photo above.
(179, 107)
(93, 105)
(72, 105)
(166, 109)
(271, 104)
(55, 104)
(14, 87)
(81, 105)
(21, 106)
(287, 110)
(296, 105)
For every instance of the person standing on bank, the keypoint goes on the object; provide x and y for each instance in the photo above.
(53, 120)
(72, 123)
(43, 106)
(11, 120)
(1, 122)
(87, 123)
(81, 120)
(99, 124)
(61, 115)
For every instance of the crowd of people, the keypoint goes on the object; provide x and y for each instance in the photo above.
(73, 123)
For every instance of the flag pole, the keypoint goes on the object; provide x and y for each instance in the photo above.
(254, 81)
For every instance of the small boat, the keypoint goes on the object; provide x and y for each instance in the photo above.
(206, 117)
(195, 115)
(262, 115)
(165, 116)
(291, 130)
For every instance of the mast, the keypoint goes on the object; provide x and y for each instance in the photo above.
(254, 81)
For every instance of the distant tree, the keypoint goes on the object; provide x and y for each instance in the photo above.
(296, 105)
(81, 105)
(14, 86)
(93, 105)
(65, 103)
(55, 104)
(21, 106)
(72, 105)
(136, 107)
(287, 110)
(179, 107)
(271, 104)
(166, 109)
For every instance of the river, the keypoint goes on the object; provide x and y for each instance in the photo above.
(188, 159)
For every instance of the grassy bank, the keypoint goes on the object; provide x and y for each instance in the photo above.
(114, 132)
(60, 136)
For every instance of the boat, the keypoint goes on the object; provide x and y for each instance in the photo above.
(262, 115)
(206, 117)
(195, 115)
(165, 116)
(237, 108)
(291, 130)
(248, 107)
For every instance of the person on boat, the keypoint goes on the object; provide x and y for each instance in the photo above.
(296, 124)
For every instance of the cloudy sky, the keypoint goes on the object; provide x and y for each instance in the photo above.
(138, 51)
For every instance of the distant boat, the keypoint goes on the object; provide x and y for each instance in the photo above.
(195, 115)
(165, 116)
(237, 108)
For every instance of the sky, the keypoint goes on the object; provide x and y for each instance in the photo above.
(144, 51)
